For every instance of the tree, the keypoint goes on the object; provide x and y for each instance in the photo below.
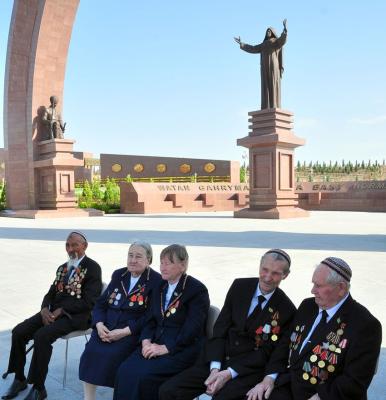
(97, 194)
(87, 194)
(111, 193)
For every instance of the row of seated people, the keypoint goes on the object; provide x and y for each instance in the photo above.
(148, 340)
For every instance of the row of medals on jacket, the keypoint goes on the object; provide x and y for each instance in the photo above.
(135, 296)
(74, 285)
(324, 356)
(262, 332)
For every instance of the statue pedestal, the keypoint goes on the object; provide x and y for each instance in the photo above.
(54, 173)
(271, 145)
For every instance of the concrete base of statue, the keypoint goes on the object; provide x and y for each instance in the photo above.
(271, 145)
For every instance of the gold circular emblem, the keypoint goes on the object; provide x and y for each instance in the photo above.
(313, 358)
(339, 332)
(274, 322)
(332, 347)
(209, 167)
(173, 310)
(321, 364)
(138, 167)
(185, 168)
(338, 350)
(306, 376)
(330, 368)
(116, 167)
(161, 168)
(274, 338)
(168, 314)
(313, 380)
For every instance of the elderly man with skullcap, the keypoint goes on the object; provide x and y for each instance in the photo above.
(331, 351)
(255, 315)
(66, 307)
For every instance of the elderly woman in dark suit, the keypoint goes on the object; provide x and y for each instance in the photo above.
(173, 334)
(118, 317)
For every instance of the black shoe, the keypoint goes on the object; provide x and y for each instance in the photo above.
(35, 394)
(16, 387)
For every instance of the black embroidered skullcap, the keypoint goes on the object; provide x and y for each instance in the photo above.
(82, 235)
(282, 253)
(339, 266)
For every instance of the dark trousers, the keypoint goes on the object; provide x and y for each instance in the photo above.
(282, 393)
(139, 379)
(190, 384)
(43, 336)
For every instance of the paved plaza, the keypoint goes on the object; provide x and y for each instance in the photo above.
(221, 249)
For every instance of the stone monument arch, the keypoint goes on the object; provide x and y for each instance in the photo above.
(39, 38)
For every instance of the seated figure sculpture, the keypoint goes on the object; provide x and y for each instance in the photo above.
(52, 121)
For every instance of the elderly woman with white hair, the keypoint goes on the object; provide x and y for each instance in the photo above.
(118, 317)
(173, 334)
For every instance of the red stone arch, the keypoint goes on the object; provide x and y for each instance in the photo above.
(38, 43)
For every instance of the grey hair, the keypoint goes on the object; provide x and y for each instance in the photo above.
(333, 278)
(176, 252)
(146, 246)
(276, 257)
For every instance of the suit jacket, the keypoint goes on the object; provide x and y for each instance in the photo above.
(78, 296)
(340, 361)
(118, 308)
(182, 324)
(246, 347)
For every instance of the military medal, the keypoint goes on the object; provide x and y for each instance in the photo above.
(306, 376)
(172, 310)
(313, 358)
(307, 366)
(274, 338)
(321, 364)
(330, 368)
(313, 380)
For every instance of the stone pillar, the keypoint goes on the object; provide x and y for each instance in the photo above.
(271, 145)
(55, 174)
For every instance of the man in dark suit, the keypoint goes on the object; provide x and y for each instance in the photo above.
(254, 316)
(331, 351)
(66, 307)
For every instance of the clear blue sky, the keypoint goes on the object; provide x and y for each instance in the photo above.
(166, 78)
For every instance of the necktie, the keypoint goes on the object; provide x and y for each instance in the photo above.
(68, 274)
(257, 309)
(322, 323)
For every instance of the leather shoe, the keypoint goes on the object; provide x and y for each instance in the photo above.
(35, 394)
(16, 387)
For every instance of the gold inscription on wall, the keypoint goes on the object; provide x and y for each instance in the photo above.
(138, 167)
(161, 168)
(185, 168)
(209, 167)
(116, 167)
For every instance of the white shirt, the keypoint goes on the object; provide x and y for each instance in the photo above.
(169, 293)
(133, 282)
